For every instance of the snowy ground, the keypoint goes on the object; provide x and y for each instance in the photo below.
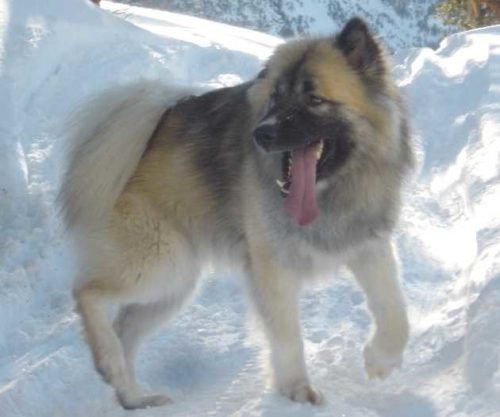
(55, 53)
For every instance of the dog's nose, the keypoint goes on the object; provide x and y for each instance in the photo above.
(265, 135)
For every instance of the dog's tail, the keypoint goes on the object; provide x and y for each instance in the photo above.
(107, 140)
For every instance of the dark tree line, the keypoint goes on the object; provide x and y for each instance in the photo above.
(468, 14)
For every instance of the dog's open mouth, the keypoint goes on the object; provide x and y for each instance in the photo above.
(298, 183)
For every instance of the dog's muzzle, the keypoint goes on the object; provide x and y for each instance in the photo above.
(265, 136)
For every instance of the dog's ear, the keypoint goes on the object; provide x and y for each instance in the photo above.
(358, 45)
(262, 74)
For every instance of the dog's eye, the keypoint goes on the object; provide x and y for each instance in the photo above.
(315, 100)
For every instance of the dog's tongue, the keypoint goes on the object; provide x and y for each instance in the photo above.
(301, 200)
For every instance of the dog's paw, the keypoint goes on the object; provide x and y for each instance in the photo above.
(132, 401)
(379, 363)
(303, 394)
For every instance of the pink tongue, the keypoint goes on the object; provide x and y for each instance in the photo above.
(301, 200)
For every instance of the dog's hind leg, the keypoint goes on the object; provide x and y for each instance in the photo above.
(106, 349)
(376, 270)
(140, 259)
(137, 321)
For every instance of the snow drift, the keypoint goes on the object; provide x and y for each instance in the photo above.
(54, 56)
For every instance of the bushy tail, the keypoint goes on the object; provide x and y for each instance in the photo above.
(107, 141)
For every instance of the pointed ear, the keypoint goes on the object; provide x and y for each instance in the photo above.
(358, 45)
(262, 74)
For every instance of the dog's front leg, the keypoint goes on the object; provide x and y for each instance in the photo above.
(275, 295)
(376, 270)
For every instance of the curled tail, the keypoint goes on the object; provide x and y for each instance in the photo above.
(106, 142)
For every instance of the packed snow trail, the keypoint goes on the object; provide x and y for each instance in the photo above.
(54, 56)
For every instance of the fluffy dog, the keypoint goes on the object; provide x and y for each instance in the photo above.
(289, 176)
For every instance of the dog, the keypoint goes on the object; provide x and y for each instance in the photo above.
(287, 176)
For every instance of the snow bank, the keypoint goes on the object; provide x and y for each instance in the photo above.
(54, 55)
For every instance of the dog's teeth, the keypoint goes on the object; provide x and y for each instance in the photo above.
(283, 186)
(319, 150)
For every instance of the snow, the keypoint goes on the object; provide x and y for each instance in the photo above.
(54, 56)
(401, 23)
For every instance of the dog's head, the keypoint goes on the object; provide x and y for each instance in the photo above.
(318, 102)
